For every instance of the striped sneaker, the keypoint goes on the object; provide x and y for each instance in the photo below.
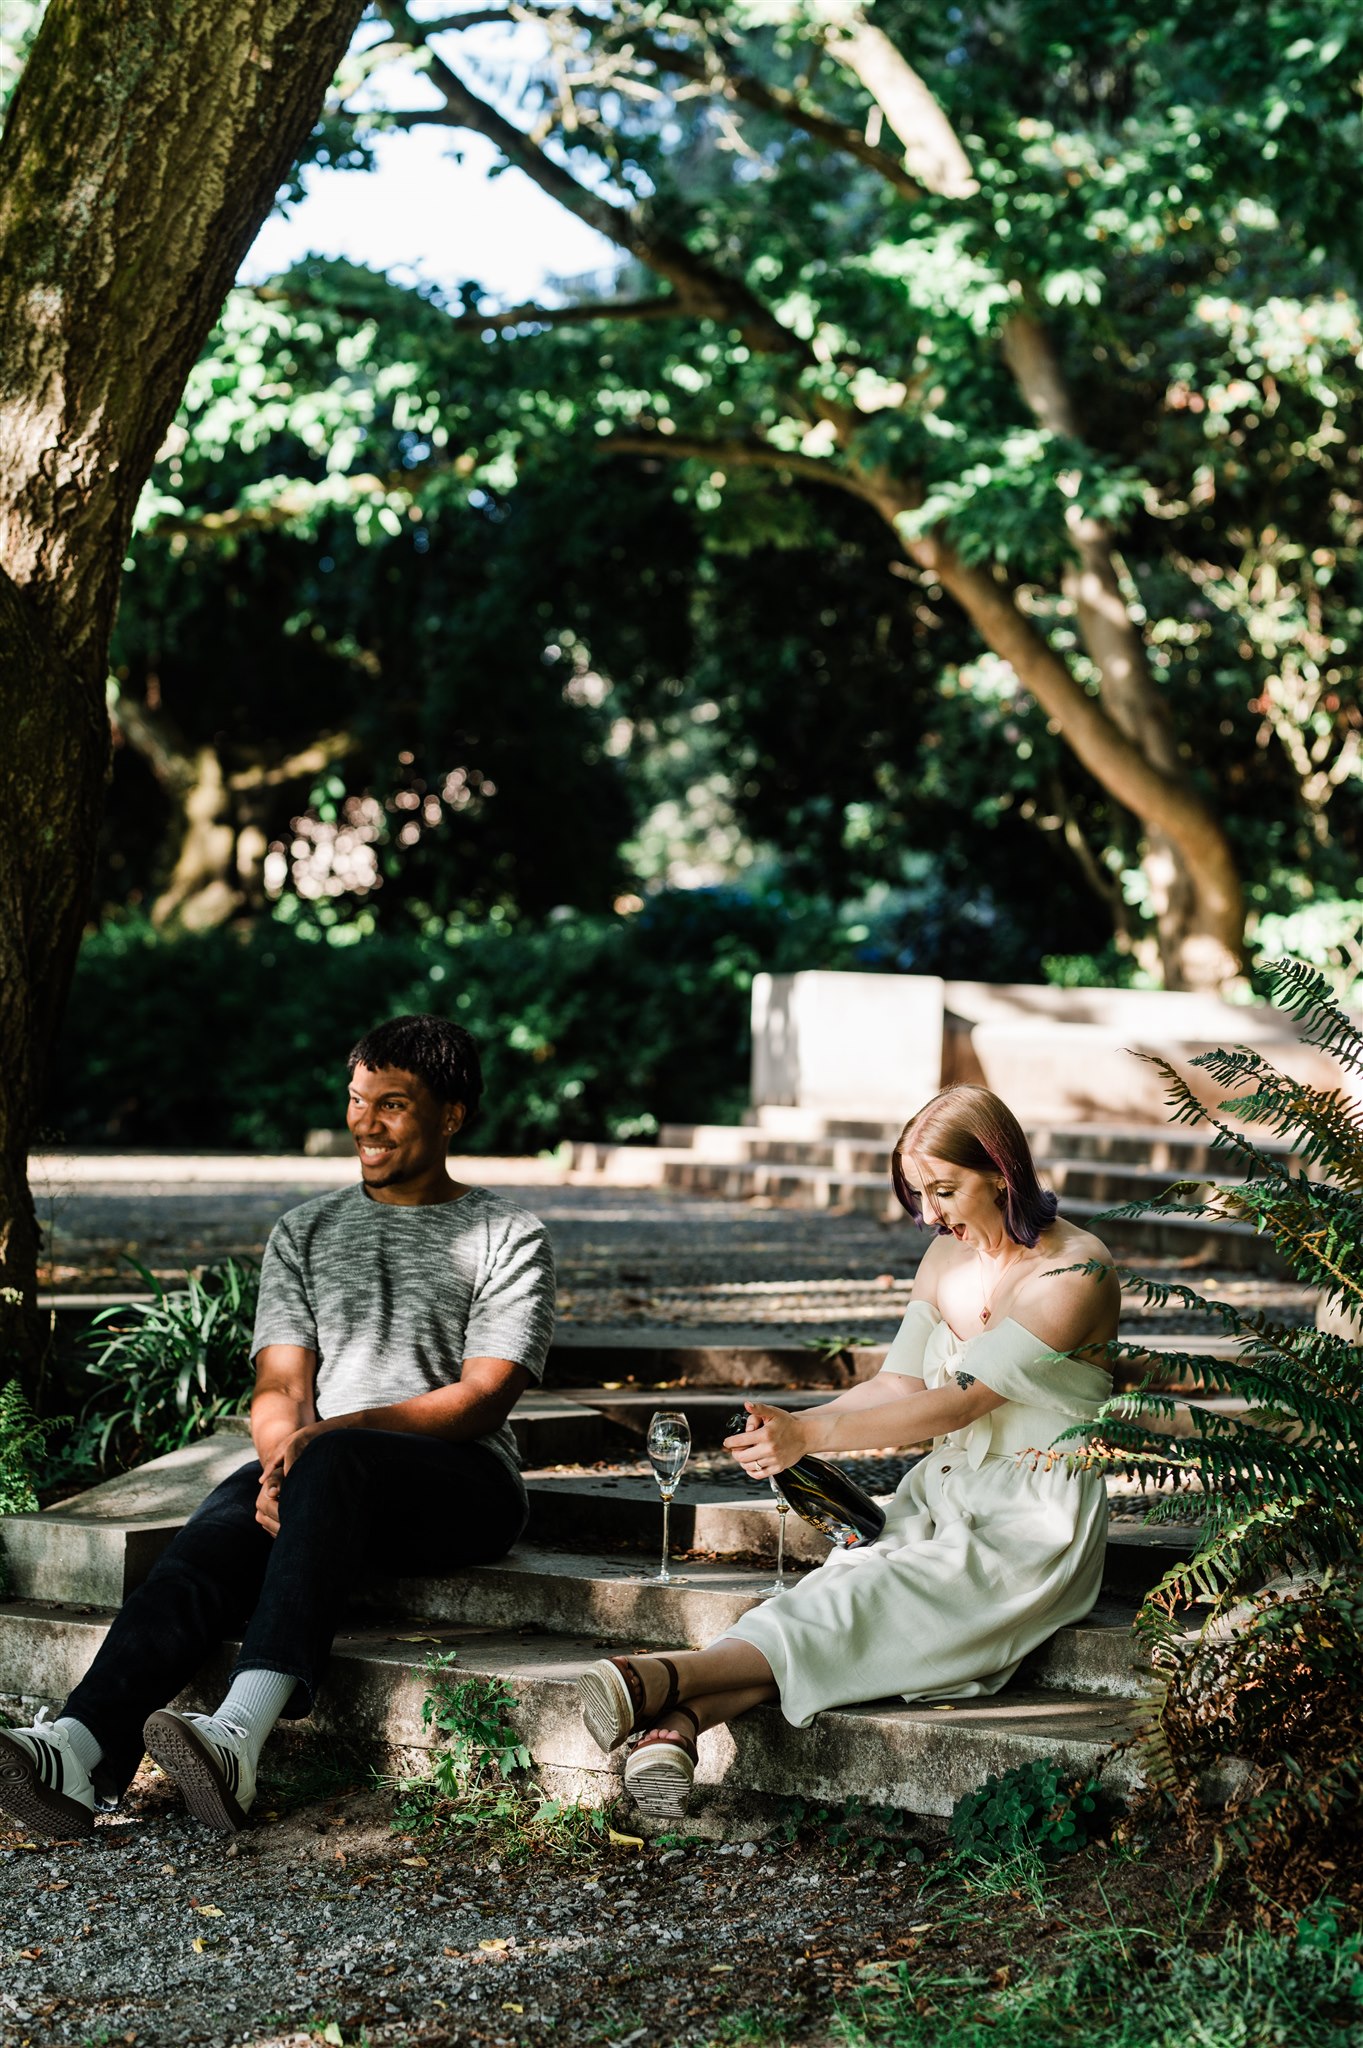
(210, 1761)
(43, 1785)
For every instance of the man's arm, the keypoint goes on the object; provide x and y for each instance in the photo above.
(476, 1404)
(281, 1405)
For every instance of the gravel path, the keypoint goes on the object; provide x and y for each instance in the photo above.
(159, 1933)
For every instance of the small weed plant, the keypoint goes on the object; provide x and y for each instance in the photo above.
(858, 1833)
(1040, 1807)
(168, 1369)
(480, 1780)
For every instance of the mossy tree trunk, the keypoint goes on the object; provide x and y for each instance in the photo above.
(144, 146)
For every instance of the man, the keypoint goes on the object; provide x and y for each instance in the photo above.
(399, 1321)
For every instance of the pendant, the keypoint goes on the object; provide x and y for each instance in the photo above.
(984, 1315)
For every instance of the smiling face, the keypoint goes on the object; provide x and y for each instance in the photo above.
(958, 1199)
(401, 1132)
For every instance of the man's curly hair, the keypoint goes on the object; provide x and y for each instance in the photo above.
(441, 1054)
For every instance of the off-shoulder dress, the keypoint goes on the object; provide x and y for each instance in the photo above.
(989, 1545)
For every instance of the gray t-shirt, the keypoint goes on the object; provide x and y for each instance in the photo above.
(393, 1300)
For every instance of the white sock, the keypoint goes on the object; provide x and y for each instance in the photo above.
(82, 1744)
(254, 1703)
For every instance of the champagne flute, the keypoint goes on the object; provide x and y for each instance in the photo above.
(669, 1447)
(778, 1584)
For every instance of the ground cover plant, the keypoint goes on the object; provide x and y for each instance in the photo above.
(168, 1369)
(478, 1783)
(1262, 1682)
(1135, 1986)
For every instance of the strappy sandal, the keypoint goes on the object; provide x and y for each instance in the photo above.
(612, 1696)
(662, 1770)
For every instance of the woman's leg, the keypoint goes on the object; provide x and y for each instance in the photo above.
(712, 1708)
(727, 1668)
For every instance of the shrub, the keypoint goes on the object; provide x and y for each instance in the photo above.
(1278, 1691)
(590, 1026)
(1280, 1485)
(22, 1437)
(167, 1369)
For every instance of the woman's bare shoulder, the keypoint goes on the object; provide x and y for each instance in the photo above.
(1074, 1292)
(1074, 1246)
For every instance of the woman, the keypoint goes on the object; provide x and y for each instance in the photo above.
(986, 1550)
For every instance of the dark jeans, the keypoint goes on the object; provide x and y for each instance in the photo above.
(357, 1501)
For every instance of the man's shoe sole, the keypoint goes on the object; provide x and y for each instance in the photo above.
(186, 1758)
(34, 1805)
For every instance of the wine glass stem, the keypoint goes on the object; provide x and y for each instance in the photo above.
(667, 1510)
(780, 1547)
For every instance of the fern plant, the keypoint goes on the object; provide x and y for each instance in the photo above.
(22, 1439)
(1279, 1484)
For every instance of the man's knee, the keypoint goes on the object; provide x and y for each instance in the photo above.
(334, 1458)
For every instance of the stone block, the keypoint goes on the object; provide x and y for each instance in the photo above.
(96, 1548)
(857, 1044)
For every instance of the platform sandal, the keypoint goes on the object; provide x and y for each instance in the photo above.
(662, 1770)
(612, 1696)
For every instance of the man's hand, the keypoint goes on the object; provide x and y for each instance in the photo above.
(267, 1502)
(293, 1447)
(773, 1441)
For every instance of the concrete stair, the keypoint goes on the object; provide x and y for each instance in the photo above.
(802, 1159)
(921, 1759)
(581, 1582)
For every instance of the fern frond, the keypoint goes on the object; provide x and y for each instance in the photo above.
(1323, 1127)
(1305, 994)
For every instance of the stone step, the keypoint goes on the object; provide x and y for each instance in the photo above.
(1162, 1155)
(723, 1518)
(1194, 1240)
(597, 1357)
(616, 1599)
(917, 1758)
(97, 1546)
(1170, 1148)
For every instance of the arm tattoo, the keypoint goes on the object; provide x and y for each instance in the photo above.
(964, 1380)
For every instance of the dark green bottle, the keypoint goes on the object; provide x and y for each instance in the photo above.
(824, 1496)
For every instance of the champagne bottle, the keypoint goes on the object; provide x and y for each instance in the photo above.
(824, 1496)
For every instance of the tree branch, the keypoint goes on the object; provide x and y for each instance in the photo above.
(933, 151)
(739, 454)
(733, 84)
(704, 291)
(726, 80)
(1092, 581)
(665, 307)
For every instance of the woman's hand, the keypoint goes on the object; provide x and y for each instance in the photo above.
(772, 1442)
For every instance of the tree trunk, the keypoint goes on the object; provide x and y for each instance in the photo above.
(1199, 932)
(1207, 922)
(144, 146)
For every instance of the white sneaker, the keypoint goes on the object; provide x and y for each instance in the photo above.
(43, 1784)
(211, 1763)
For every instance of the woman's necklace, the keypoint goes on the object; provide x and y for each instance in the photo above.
(987, 1299)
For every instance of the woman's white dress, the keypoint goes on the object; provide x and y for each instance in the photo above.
(989, 1545)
